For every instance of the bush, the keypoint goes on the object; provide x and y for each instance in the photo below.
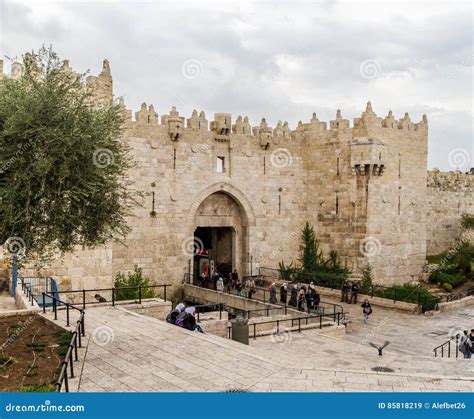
(134, 279)
(448, 287)
(440, 277)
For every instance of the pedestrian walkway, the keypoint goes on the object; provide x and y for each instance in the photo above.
(130, 352)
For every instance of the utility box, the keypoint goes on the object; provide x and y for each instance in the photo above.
(240, 330)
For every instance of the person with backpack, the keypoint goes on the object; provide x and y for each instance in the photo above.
(283, 293)
(465, 345)
(366, 310)
(173, 314)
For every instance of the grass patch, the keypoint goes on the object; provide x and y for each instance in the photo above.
(38, 388)
(4, 360)
(64, 339)
(18, 325)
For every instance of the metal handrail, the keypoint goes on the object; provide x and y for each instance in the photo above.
(447, 345)
(340, 317)
(68, 360)
(114, 290)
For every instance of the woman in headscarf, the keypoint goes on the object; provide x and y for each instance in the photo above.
(283, 293)
(294, 296)
(273, 294)
(173, 314)
(301, 298)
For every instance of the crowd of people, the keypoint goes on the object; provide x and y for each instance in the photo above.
(304, 297)
(466, 344)
(184, 317)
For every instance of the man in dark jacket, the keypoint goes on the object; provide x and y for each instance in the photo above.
(354, 292)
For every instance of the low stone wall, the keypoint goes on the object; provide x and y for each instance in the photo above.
(463, 302)
(375, 301)
(157, 309)
(23, 306)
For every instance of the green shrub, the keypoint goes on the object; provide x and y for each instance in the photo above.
(134, 279)
(440, 277)
(448, 287)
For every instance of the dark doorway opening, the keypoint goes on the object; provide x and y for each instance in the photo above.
(217, 253)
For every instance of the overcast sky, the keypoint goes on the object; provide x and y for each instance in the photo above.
(272, 59)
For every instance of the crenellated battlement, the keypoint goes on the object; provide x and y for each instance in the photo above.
(455, 181)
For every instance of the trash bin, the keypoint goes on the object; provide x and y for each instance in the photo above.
(240, 330)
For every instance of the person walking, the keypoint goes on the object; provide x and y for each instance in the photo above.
(294, 296)
(309, 299)
(235, 278)
(301, 298)
(283, 293)
(366, 310)
(238, 287)
(316, 299)
(344, 292)
(354, 292)
(465, 345)
(273, 294)
(220, 284)
(250, 285)
(229, 283)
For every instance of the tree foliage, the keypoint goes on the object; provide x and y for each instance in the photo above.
(132, 279)
(63, 170)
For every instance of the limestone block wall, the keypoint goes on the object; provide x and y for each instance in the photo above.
(449, 195)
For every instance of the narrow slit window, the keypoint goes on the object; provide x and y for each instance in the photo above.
(220, 164)
(337, 167)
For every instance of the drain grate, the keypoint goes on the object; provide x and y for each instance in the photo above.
(382, 369)
(236, 390)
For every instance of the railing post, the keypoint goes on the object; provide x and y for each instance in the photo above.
(278, 326)
(140, 294)
(67, 314)
(248, 314)
(457, 345)
(79, 333)
(66, 384)
(320, 321)
(220, 311)
(268, 311)
(44, 303)
(83, 329)
(334, 310)
(286, 309)
(442, 351)
(165, 293)
(254, 333)
(449, 349)
(55, 308)
(83, 299)
(299, 324)
(113, 296)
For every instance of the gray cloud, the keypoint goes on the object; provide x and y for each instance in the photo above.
(279, 60)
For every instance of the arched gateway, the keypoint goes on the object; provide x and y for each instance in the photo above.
(221, 217)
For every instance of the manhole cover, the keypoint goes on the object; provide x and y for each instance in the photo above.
(434, 334)
(236, 390)
(382, 369)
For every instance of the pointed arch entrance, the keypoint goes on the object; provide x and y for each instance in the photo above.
(221, 219)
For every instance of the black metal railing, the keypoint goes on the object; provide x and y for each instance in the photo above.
(296, 323)
(71, 355)
(374, 290)
(457, 296)
(263, 295)
(445, 348)
(87, 296)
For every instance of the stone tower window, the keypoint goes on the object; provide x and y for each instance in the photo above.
(220, 164)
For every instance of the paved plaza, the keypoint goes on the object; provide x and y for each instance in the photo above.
(130, 352)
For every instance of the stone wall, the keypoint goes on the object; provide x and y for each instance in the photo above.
(363, 188)
(449, 196)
